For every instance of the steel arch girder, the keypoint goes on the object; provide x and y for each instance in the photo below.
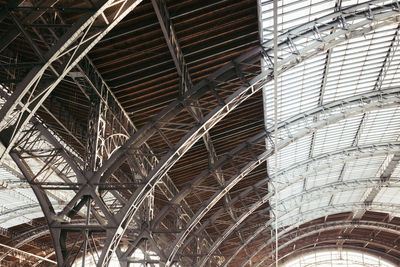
(306, 248)
(310, 194)
(316, 229)
(380, 99)
(363, 239)
(24, 241)
(65, 44)
(44, 202)
(321, 211)
(129, 210)
(70, 167)
(232, 100)
(286, 124)
(327, 226)
(261, 158)
(343, 155)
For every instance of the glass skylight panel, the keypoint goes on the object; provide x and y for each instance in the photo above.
(315, 203)
(337, 136)
(24, 193)
(295, 152)
(293, 13)
(391, 70)
(381, 126)
(353, 67)
(351, 196)
(323, 177)
(341, 82)
(298, 90)
(388, 195)
(363, 168)
(396, 172)
(294, 189)
(287, 217)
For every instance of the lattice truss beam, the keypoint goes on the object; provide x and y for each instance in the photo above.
(110, 192)
(309, 236)
(310, 249)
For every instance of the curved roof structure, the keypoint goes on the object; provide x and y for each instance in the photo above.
(149, 132)
(339, 258)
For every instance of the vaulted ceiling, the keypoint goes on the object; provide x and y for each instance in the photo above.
(143, 131)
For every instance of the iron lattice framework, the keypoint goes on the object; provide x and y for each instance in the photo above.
(108, 187)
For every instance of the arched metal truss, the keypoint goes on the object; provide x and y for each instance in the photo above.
(330, 159)
(310, 248)
(312, 194)
(353, 153)
(361, 239)
(70, 48)
(314, 214)
(383, 99)
(348, 107)
(25, 241)
(343, 109)
(228, 104)
(328, 226)
(115, 215)
(327, 114)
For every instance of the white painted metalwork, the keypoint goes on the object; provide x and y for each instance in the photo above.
(336, 257)
(357, 65)
(327, 126)
(311, 127)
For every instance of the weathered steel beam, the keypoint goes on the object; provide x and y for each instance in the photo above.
(325, 210)
(77, 40)
(313, 194)
(7, 38)
(305, 232)
(293, 136)
(384, 14)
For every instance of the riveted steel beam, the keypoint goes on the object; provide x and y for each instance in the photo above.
(168, 29)
(33, 15)
(325, 112)
(316, 213)
(304, 196)
(125, 215)
(25, 241)
(32, 91)
(384, 15)
(253, 163)
(305, 232)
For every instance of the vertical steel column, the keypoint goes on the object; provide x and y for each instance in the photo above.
(95, 150)
(276, 126)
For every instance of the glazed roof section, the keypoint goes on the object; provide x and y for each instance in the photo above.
(360, 65)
